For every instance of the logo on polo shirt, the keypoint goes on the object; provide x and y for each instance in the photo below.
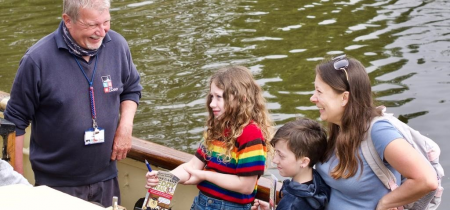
(107, 84)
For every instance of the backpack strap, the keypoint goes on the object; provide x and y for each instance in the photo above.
(427, 147)
(374, 161)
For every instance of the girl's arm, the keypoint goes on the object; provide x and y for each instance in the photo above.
(421, 177)
(241, 184)
(182, 174)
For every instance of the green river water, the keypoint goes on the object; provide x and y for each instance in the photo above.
(177, 44)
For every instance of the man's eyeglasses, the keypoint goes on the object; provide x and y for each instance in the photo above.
(93, 26)
(341, 63)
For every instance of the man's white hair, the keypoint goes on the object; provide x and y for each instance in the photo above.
(72, 7)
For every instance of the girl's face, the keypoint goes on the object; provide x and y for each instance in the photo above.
(217, 101)
(287, 164)
(331, 104)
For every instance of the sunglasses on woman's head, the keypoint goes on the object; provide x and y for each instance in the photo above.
(341, 63)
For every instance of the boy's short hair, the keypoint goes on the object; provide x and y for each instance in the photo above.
(305, 138)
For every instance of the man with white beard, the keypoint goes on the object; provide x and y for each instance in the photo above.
(79, 88)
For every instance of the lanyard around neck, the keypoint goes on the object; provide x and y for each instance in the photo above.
(84, 73)
(91, 89)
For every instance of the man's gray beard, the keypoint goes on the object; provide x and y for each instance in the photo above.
(94, 48)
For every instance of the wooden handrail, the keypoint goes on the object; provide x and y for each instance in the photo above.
(7, 131)
(168, 158)
(4, 97)
(162, 156)
(157, 154)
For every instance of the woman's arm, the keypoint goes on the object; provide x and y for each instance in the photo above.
(421, 177)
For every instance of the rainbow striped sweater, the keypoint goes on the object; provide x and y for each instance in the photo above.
(247, 159)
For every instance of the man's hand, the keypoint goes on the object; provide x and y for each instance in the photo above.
(122, 142)
(18, 165)
(122, 138)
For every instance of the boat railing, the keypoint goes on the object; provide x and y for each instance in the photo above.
(7, 131)
(156, 154)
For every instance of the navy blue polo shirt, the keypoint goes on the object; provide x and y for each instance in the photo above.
(51, 92)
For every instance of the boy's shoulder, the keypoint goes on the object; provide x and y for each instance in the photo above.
(295, 195)
(311, 195)
(319, 182)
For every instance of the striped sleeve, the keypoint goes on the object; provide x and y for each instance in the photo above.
(200, 153)
(251, 152)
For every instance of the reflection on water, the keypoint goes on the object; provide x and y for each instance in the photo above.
(176, 45)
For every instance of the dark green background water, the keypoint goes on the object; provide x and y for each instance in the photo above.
(176, 45)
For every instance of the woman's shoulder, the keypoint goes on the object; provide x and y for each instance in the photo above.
(384, 130)
(382, 134)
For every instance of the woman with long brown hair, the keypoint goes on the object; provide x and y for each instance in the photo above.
(344, 97)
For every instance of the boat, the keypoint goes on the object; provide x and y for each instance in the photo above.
(132, 170)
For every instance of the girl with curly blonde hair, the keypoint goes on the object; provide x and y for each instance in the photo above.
(233, 154)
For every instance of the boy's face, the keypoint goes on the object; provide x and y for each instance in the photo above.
(287, 164)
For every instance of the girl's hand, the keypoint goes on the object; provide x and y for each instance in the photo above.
(152, 179)
(260, 205)
(196, 176)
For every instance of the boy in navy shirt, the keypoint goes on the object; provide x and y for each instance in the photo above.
(299, 145)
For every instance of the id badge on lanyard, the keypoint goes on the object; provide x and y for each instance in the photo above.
(95, 134)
